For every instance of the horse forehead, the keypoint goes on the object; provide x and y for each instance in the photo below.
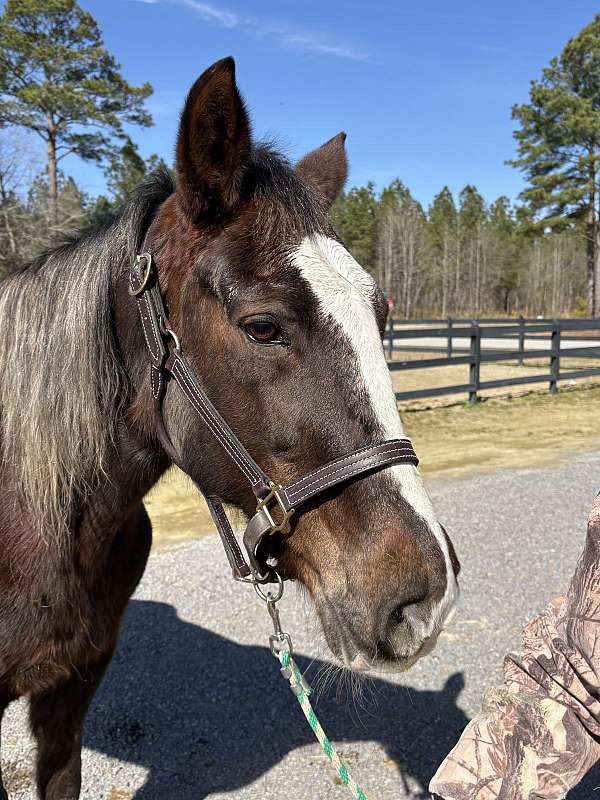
(345, 292)
(332, 272)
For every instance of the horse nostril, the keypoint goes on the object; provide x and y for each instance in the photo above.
(398, 617)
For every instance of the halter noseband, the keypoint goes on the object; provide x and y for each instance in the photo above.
(275, 504)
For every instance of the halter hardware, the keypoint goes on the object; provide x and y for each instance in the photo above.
(263, 504)
(167, 362)
(139, 260)
(170, 333)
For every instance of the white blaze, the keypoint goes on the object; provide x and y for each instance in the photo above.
(345, 293)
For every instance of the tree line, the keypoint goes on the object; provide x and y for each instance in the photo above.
(460, 255)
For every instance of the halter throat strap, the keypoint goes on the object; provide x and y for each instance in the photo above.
(276, 504)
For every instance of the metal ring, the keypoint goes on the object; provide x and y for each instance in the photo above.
(145, 275)
(170, 332)
(269, 597)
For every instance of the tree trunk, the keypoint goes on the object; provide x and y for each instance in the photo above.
(52, 172)
(5, 213)
(593, 267)
(596, 262)
(590, 253)
(444, 263)
(457, 298)
(52, 183)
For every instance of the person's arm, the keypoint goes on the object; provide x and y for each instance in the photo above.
(539, 734)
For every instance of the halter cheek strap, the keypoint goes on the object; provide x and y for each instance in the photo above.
(275, 503)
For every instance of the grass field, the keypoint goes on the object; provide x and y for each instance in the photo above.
(529, 430)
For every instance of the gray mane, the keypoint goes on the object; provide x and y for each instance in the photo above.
(61, 379)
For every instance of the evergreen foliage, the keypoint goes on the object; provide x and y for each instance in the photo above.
(558, 141)
(58, 80)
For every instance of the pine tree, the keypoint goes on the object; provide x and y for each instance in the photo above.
(127, 169)
(402, 247)
(442, 227)
(559, 147)
(470, 256)
(57, 79)
(354, 216)
(505, 249)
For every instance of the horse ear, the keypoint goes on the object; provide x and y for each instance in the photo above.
(213, 143)
(326, 168)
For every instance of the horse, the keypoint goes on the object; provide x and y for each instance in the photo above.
(284, 331)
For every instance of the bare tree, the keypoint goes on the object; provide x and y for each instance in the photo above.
(19, 161)
(402, 248)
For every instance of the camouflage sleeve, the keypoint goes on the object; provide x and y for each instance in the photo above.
(539, 734)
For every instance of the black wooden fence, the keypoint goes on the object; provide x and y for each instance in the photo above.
(522, 330)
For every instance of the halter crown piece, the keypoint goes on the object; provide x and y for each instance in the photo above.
(275, 504)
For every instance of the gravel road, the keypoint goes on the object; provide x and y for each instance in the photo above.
(193, 706)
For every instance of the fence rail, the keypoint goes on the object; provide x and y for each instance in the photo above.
(527, 333)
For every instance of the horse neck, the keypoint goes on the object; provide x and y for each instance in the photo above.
(115, 506)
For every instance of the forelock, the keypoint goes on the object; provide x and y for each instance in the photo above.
(285, 205)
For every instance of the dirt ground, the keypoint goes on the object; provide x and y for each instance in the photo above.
(533, 429)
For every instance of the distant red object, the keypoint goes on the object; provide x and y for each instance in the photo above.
(391, 304)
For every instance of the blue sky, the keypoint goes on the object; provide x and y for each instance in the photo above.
(424, 90)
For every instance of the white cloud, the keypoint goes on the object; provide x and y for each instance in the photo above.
(283, 32)
(317, 44)
(225, 19)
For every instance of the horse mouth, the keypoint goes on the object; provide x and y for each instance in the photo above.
(367, 659)
(364, 665)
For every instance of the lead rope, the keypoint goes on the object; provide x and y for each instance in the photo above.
(281, 647)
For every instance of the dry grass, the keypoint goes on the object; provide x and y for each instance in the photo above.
(177, 511)
(119, 794)
(530, 430)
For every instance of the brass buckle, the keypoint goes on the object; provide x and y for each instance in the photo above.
(263, 504)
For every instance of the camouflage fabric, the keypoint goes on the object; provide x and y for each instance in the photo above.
(538, 735)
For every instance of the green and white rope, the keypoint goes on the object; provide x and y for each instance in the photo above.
(301, 690)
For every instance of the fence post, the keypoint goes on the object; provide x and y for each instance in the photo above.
(390, 336)
(475, 361)
(521, 338)
(555, 357)
(449, 347)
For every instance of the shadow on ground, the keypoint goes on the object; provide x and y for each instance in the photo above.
(205, 715)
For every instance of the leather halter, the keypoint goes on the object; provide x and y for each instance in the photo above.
(275, 504)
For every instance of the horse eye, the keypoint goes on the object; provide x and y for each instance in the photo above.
(264, 331)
